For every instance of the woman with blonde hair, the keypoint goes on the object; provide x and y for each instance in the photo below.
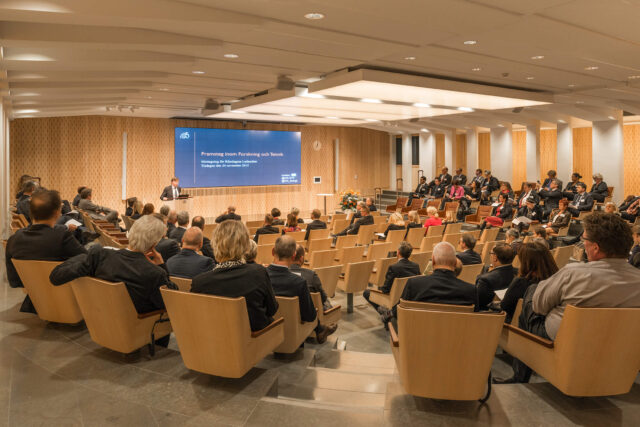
(138, 207)
(396, 222)
(432, 218)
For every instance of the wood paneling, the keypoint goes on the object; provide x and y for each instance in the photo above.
(519, 153)
(548, 152)
(631, 160)
(439, 153)
(582, 149)
(484, 150)
(461, 153)
(399, 175)
(70, 151)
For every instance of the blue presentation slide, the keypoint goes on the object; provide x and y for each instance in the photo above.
(230, 157)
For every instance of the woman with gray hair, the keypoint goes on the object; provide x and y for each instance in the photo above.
(140, 266)
(599, 189)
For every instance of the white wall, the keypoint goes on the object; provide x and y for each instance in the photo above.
(608, 154)
(502, 153)
(428, 154)
(472, 153)
(533, 153)
(406, 162)
(5, 191)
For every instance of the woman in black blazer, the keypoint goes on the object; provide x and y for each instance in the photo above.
(501, 213)
(559, 218)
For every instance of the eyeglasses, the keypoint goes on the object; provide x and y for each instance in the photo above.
(585, 239)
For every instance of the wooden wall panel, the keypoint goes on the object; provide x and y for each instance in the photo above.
(70, 151)
(548, 152)
(461, 153)
(519, 154)
(439, 152)
(631, 160)
(582, 149)
(484, 150)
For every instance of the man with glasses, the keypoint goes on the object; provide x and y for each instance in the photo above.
(498, 277)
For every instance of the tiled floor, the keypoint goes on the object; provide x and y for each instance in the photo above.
(53, 375)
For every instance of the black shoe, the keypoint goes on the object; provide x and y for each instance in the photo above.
(511, 380)
(88, 236)
(321, 336)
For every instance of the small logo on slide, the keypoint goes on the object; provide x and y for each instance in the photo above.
(185, 135)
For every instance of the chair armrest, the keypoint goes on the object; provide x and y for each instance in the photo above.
(377, 291)
(538, 340)
(332, 309)
(273, 324)
(394, 336)
(151, 313)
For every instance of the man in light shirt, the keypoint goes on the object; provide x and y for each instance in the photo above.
(607, 280)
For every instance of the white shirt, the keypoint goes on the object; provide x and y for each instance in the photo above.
(175, 192)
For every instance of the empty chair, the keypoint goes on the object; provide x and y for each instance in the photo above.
(454, 239)
(395, 237)
(437, 307)
(380, 250)
(53, 303)
(295, 330)
(329, 278)
(336, 217)
(400, 203)
(256, 223)
(470, 272)
(435, 230)
(320, 244)
(356, 279)
(365, 234)
(596, 351)
(326, 317)
(415, 236)
(414, 206)
(350, 255)
(421, 258)
(214, 335)
(378, 219)
(112, 319)
(393, 297)
(346, 241)
(444, 354)
(477, 218)
(453, 228)
(322, 258)
(297, 235)
(265, 253)
(318, 233)
(183, 284)
(562, 255)
(267, 239)
(429, 242)
(489, 234)
(380, 270)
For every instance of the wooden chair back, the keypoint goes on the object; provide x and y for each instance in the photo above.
(318, 233)
(380, 250)
(454, 239)
(265, 254)
(470, 272)
(325, 317)
(415, 205)
(323, 258)
(453, 228)
(435, 230)
(380, 219)
(415, 236)
(268, 239)
(419, 305)
(356, 276)
(421, 258)
(320, 244)
(329, 278)
(336, 217)
(210, 228)
(183, 283)
(486, 252)
(395, 237)
(381, 266)
(127, 222)
(256, 223)
(489, 234)
(365, 234)
(339, 225)
(295, 330)
(429, 242)
(350, 255)
(346, 241)
(53, 303)
(562, 255)
(298, 235)
(397, 288)
(214, 334)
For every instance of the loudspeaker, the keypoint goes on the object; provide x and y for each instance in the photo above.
(285, 83)
(210, 106)
(517, 109)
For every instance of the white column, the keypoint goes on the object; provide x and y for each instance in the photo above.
(502, 153)
(472, 153)
(608, 154)
(392, 162)
(533, 152)
(428, 154)
(565, 152)
(5, 193)
(406, 162)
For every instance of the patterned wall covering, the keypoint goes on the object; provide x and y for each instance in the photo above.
(519, 153)
(548, 152)
(631, 160)
(484, 150)
(70, 151)
(582, 150)
(440, 152)
(461, 154)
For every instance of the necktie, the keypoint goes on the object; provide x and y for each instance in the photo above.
(175, 193)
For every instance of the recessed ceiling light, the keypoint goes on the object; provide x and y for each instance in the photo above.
(467, 109)
(332, 117)
(371, 100)
(538, 57)
(27, 111)
(571, 85)
(314, 15)
(198, 72)
(591, 68)
(312, 95)
(611, 118)
(424, 130)
(500, 126)
(164, 89)
(372, 120)
(476, 69)
(470, 42)
(231, 55)
(530, 78)
(633, 77)
(238, 111)
(148, 97)
(410, 58)
(561, 121)
(288, 115)
(421, 105)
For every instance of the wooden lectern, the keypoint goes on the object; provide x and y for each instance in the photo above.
(180, 204)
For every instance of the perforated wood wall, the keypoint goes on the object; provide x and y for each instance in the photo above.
(519, 153)
(484, 150)
(70, 151)
(548, 152)
(582, 149)
(439, 152)
(631, 159)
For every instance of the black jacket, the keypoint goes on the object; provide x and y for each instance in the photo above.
(421, 189)
(582, 202)
(141, 278)
(461, 177)
(600, 189)
(228, 216)
(494, 280)
(207, 250)
(23, 207)
(492, 184)
(313, 281)
(188, 264)
(287, 284)
(177, 234)
(571, 189)
(445, 179)
(167, 248)
(40, 242)
(168, 192)
(437, 191)
(402, 268)
(170, 227)
(469, 257)
(267, 229)
(515, 291)
(250, 281)
(534, 214)
(365, 220)
(372, 208)
(393, 227)
(505, 212)
(551, 199)
(547, 183)
(533, 194)
(316, 224)
(75, 201)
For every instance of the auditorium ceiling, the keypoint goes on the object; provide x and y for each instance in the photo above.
(163, 58)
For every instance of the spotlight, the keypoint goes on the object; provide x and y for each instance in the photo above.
(285, 83)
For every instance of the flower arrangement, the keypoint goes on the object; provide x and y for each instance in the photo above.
(349, 200)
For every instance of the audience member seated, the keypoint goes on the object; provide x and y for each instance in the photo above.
(21, 182)
(96, 211)
(138, 207)
(296, 212)
(539, 232)
(420, 191)
(357, 214)
(468, 255)
(287, 284)
(551, 197)
(267, 228)
(432, 218)
(315, 223)
(634, 254)
(478, 179)
(582, 201)
(560, 218)
(528, 190)
(499, 276)
(413, 221)
(148, 209)
(599, 189)
(607, 280)
(230, 213)
(252, 253)
(454, 194)
(536, 264)
(275, 213)
(140, 266)
(365, 219)
(130, 202)
(551, 175)
(444, 177)
(76, 199)
(462, 179)
(164, 210)
(474, 193)
(505, 188)
(183, 223)
(395, 223)
(188, 263)
(437, 190)
(172, 220)
(489, 184)
(571, 189)
(402, 268)
(22, 206)
(166, 247)
(528, 213)
(313, 281)
(291, 225)
(232, 277)
(630, 209)
(43, 240)
(513, 239)
(501, 213)
(611, 208)
(370, 204)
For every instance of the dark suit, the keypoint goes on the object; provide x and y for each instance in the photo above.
(207, 250)
(581, 202)
(225, 217)
(313, 282)
(267, 229)
(353, 228)
(462, 178)
(287, 284)
(524, 196)
(492, 184)
(142, 278)
(167, 248)
(372, 208)
(250, 281)
(316, 224)
(469, 257)
(551, 199)
(177, 234)
(420, 192)
(571, 190)
(76, 201)
(402, 268)
(23, 207)
(393, 227)
(437, 191)
(188, 264)
(562, 220)
(534, 214)
(168, 192)
(497, 279)
(599, 191)
(547, 183)
(515, 291)
(170, 227)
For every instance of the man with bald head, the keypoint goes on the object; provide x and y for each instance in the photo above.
(188, 263)
(230, 213)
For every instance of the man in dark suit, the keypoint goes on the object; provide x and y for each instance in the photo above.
(402, 268)
(76, 199)
(183, 223)
(437, 190)
(95, 211)
(499, 277)
(206, 249)
(316, 224)
(551, 197)
(365, 219)
(462, 179)
(287, 284)
(172, 191)
(230, 213)
(599, 189)
(528, 190)
(267, 228)
(370, 204)
(530, 210)
(445, 177)
(468, 256)
(489, 185)
(313, 281)
(172, 220)
(421, 190)
(551, 175)
(43, 240)
(188, 263)
(22, 206)
(478, 179)
(582, 201)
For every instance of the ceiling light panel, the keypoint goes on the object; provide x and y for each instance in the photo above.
(321, 112)
(280, 118)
